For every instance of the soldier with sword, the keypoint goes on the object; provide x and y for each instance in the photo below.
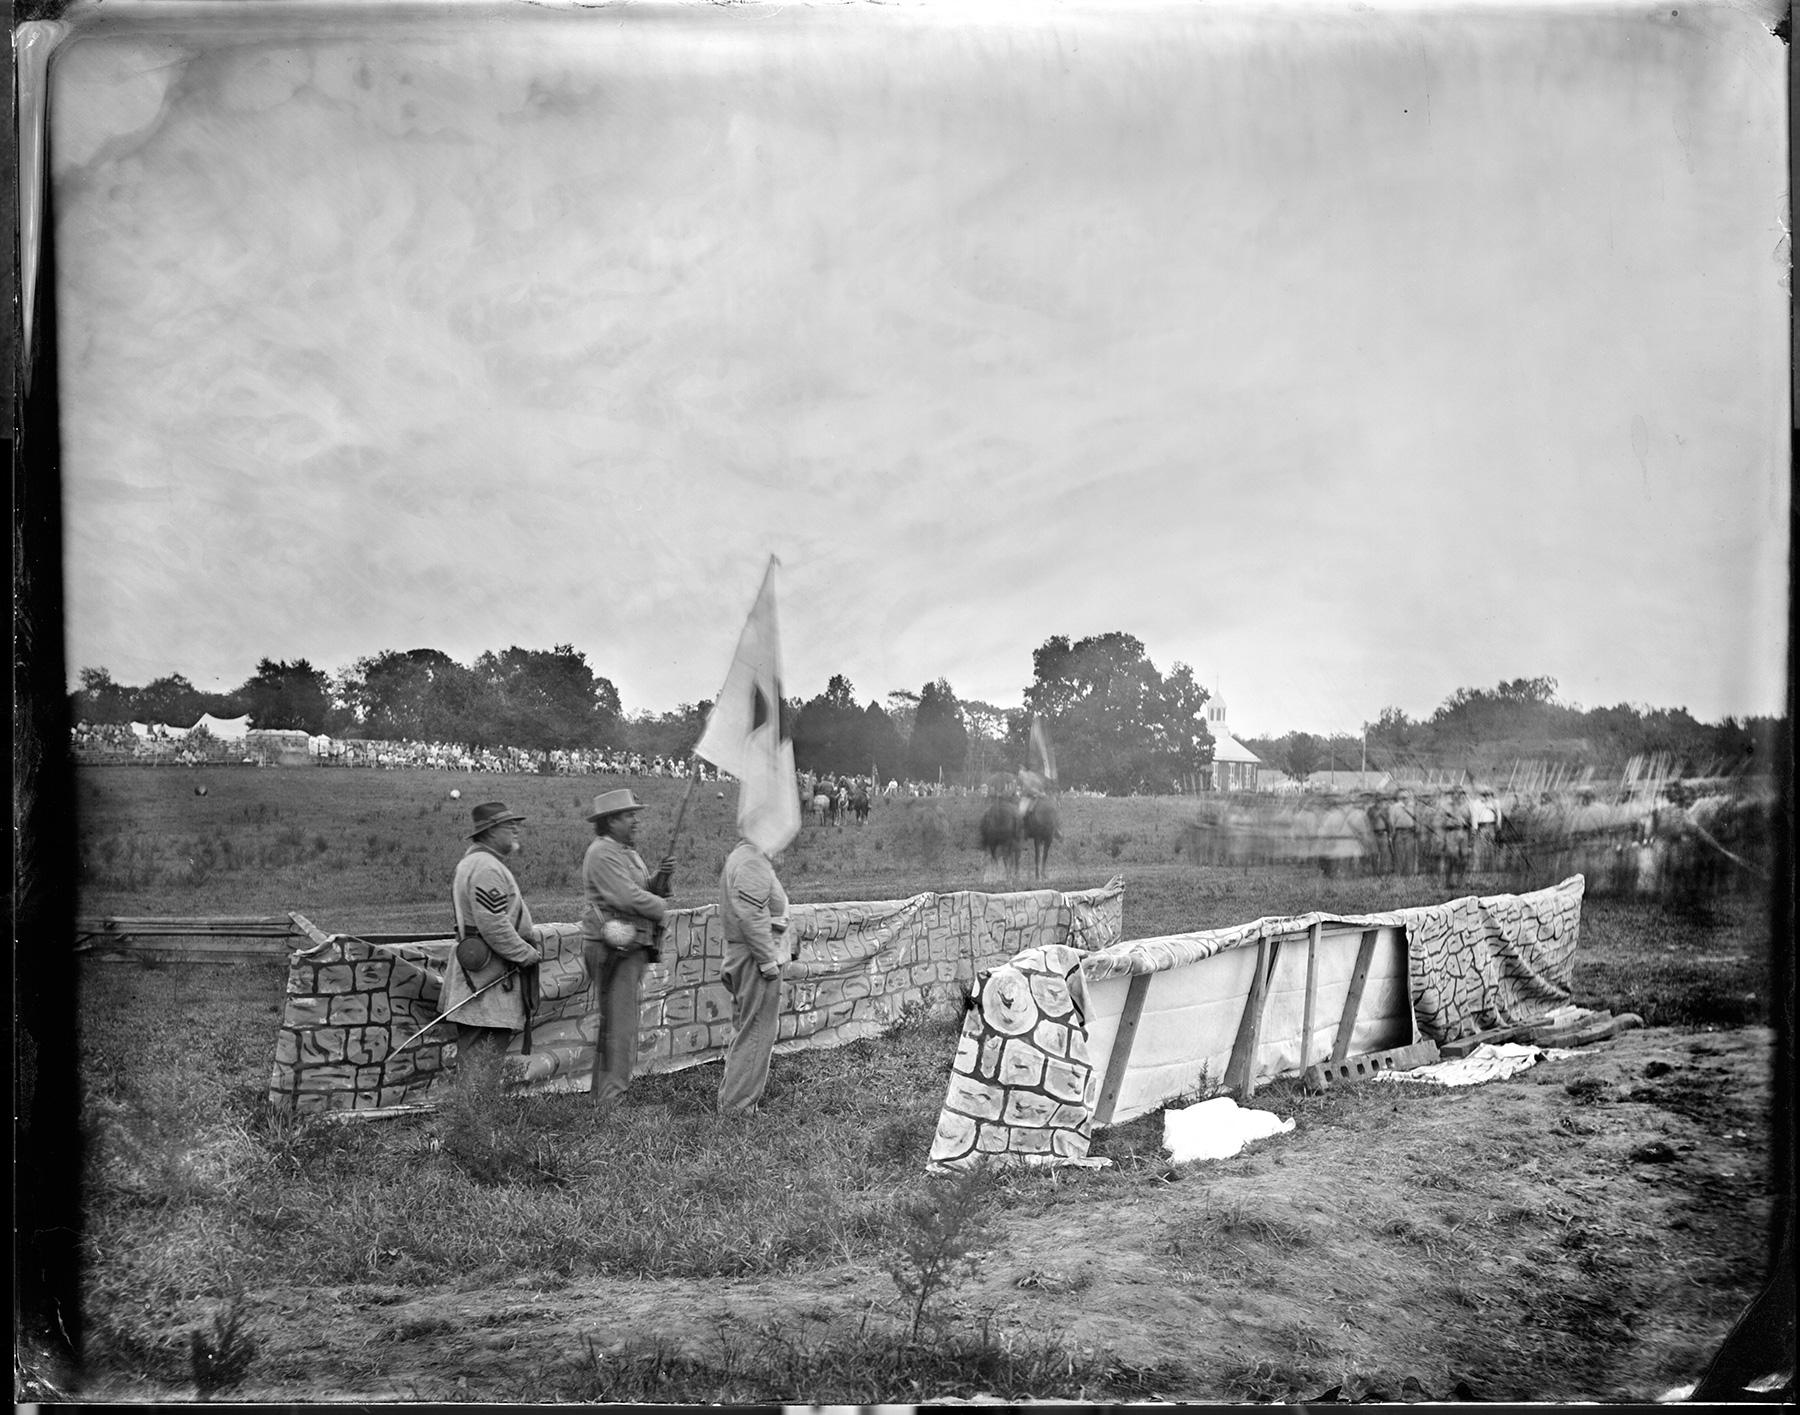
(490, 982)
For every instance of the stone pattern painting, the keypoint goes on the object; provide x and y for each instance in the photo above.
(351, 1034)
(1022, 1087)
(1480, 963)
(1474, 962)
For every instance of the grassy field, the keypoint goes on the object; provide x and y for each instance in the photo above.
(522, 1250)
(374, 850)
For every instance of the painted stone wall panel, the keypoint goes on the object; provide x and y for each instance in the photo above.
(358, 1028)
(1441, 970)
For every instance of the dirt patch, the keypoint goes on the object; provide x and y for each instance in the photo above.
(1403, 1239)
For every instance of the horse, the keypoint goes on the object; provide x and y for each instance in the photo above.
(1000, 834)
(859, 804)
(1041, 827)
(821, 807)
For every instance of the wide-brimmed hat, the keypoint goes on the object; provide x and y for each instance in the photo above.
(490, 814)
(610, 803)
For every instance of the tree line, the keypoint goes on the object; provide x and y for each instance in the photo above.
(534, 698)
(1522, 720)
(1116, 722)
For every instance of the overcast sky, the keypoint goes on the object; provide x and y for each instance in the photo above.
(1346, 354)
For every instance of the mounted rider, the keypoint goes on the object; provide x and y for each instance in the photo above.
(1032, 789)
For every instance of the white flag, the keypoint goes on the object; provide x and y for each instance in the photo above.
(1040, 740)
(747, 732)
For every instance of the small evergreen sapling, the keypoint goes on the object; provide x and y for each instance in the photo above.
(945, 1230)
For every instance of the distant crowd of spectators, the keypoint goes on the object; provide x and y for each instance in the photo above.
(173, 745)
(160, 743)
(581, 761)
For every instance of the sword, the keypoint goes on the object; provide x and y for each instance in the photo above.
(434, 1021)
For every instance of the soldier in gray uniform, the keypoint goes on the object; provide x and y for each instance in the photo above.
(490, 979)
(754, 908)
(621, 921)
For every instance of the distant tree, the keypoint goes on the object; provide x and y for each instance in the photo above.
(287, 695)
(940, 738)
(667, 734)
(1301, 755)
(1116, 723)
(1099, 698)
(988, 725)
(99, 699)
(421, 695)
(1189, 740)
(984, 720)
(545, 698)
(902, 708)
(881, 741)
(829, 732)
(1392, 730)
(1521, 708)
(172, 699)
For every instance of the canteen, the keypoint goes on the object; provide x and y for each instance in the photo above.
(473, 953)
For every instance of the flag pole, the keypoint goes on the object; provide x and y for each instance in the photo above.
(681, 811)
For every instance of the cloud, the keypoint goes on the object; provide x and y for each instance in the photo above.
(1309, 349)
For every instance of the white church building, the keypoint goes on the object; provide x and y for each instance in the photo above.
(1234, 765)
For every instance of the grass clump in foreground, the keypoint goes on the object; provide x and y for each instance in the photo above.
(863, 1367)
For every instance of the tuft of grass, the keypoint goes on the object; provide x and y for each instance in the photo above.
(865, 1367)
(220, 1358)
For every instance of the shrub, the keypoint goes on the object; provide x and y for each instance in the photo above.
(938, 1248)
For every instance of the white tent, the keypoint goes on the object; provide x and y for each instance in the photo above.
(226, 729)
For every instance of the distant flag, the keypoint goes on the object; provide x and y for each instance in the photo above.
(747, 732)
(1040, 742)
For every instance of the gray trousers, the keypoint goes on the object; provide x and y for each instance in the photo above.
(480, 1054)
(618, 1017)
(755, 1006)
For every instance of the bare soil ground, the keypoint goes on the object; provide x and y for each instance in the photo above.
(1402, 1239)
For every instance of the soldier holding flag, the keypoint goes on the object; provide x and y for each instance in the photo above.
(747, 735)
(754, 907)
